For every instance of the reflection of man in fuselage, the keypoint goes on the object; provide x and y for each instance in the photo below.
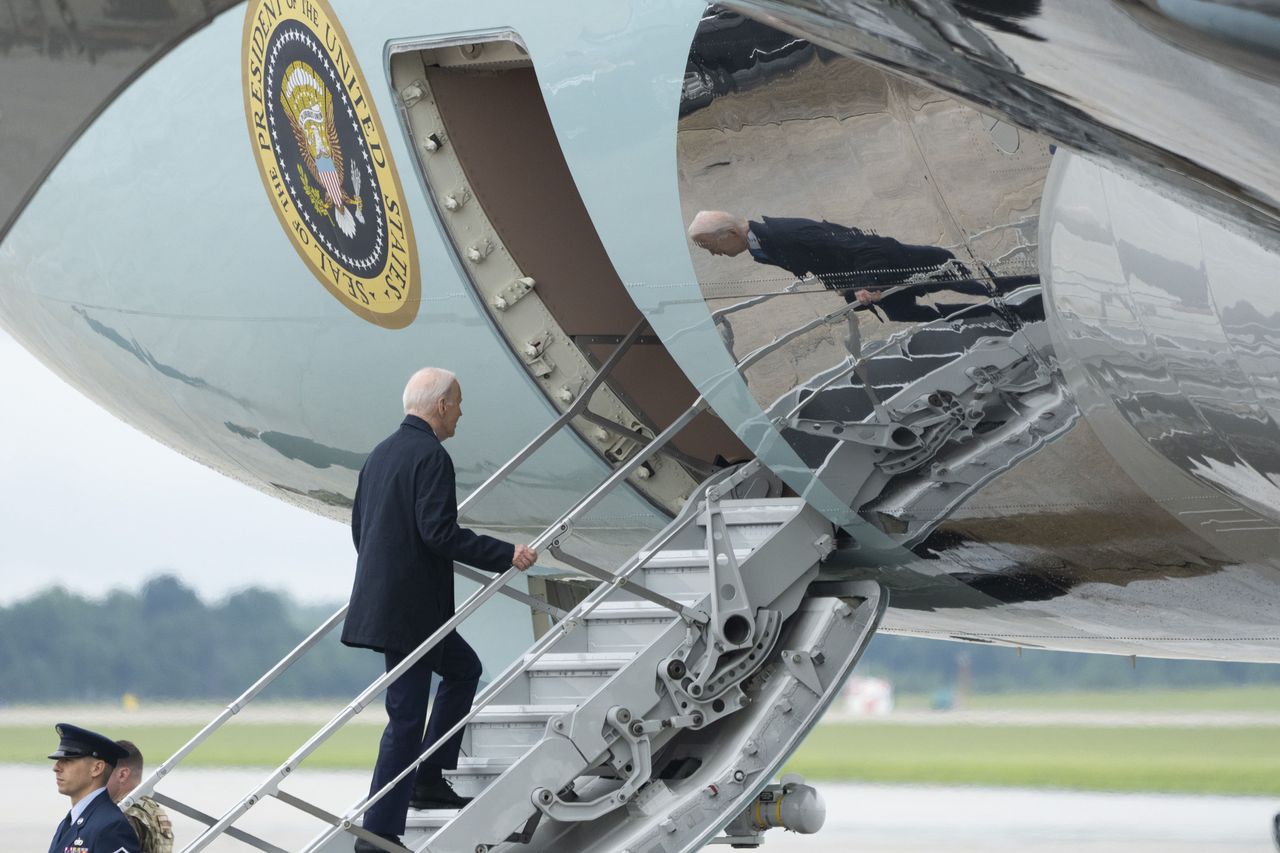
(859, 265)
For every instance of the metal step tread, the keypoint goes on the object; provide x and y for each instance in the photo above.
(494, 714)
(776, 510)
(580, 662)
(429, 819)
(631, 609)
(495, 766)
(472, 766)
(687, 558)
(483, 766)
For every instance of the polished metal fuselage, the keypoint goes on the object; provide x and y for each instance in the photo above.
(141, 261)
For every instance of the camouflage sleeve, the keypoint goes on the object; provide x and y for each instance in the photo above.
(150, 821)
(137, 819)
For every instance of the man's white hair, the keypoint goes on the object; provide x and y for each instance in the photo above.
(427, 387)
(713, 223)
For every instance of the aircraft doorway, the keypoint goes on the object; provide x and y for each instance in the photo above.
(490, 159)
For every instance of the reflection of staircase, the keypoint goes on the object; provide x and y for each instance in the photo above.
(962, 399)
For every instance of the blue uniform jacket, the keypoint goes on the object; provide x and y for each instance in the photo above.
(405, 528)
(102, 828)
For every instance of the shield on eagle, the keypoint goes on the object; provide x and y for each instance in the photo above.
(308, 104)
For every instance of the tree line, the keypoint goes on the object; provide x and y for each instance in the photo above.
(164, 642)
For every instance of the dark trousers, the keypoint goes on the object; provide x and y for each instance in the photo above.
(403, 741)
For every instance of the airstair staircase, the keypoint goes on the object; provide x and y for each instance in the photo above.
(648, 718)
(653, 716)
(644, 726)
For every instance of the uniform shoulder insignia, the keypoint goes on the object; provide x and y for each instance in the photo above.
(151, 824)
(158, 815)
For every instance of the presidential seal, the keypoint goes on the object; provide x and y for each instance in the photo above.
(324, 160)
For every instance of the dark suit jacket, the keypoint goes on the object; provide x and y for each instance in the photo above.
(849, 259)
(101, 829)
(405, 527)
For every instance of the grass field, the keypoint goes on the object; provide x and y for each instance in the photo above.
(1188, 760)
(255, 745)
(1243, 760)
(1211, 699)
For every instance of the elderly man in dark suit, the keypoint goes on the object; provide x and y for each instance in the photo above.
(858, 264)
(405, 527)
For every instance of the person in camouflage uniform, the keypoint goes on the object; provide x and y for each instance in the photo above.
(148, 819)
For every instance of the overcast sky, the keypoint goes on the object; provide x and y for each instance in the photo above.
(93, 504)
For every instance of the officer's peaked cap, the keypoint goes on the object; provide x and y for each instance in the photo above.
(75, 742)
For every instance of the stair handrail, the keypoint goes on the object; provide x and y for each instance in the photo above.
(553, 533)
(559, 530)
(148, 785)
(720, 313)
(552, 536)
(571, 411)
(493, 689)
(750, 359)
(688, 515)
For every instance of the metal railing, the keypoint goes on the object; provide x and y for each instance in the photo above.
(551, 537)
(270, 786)
(147, 787)
(621, 579)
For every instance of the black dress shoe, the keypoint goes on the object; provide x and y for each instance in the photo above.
(363, 846)
(436, 795)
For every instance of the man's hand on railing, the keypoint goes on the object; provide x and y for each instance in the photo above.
(524, 557)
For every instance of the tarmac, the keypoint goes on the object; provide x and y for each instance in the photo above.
(863, 818)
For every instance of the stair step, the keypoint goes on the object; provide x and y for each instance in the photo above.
(503, 714)
(507, 731)
(475, 774)
(572, 676)
(428, 820)
(471, 766)
(625, 625)
(685, 558)
(680, 581)
(573, 663)
(471, 778)
(611, 609)
(773, 512)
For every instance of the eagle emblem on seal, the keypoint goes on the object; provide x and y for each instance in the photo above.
(325, 162)
(308, 104)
